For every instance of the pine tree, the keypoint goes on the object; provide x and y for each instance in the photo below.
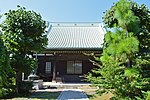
(119, 70)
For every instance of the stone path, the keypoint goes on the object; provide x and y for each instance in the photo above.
(72, 94)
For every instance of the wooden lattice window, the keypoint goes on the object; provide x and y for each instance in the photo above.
(48, 67)
(74, 67)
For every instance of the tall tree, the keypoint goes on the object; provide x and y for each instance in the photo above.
(143, 33)
(5, 70)
(24, 33)
(121, 45)
(126, 19)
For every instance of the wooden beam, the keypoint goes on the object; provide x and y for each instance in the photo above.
(54, 72)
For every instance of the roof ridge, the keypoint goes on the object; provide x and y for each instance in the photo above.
(75, 22)
(90, 24)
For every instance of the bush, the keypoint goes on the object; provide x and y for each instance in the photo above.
(7, 92)
(25, 87)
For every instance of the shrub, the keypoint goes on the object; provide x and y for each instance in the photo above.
(25, 87)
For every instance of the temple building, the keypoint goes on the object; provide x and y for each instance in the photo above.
(64, 58)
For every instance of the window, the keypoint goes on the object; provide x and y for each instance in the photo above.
(48, 67)
(74, 67)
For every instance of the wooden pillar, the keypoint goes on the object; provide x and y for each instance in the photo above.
(54, 72)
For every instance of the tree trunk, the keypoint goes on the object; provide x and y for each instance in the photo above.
(128, 63)
(18, 81)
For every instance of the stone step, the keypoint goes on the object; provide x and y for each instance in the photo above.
(68, 86)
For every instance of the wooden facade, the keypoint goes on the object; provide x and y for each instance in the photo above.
(58, 70)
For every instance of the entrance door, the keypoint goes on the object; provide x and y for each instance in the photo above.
(48, 68)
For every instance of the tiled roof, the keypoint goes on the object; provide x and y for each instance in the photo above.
(75, 36)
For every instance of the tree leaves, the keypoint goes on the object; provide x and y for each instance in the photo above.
(23, 34)
(119, 71)
(125, 17)
(131, 72)
(116, 43)
(139, 24)
(24, 28)
(5, 69)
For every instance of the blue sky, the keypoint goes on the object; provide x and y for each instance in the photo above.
(65, 10)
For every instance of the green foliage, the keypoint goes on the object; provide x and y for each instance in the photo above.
(117, 44)
(120, 47)
(24, 33)
(142, 13)
(26, 86)
(125, 16)
(112, 74)
(6, 80)
(144, 35)
(146, 96)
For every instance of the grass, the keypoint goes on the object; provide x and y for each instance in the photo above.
(90, 92)
(102, 97)
(41, 96)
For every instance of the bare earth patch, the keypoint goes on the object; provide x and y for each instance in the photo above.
(90, 92)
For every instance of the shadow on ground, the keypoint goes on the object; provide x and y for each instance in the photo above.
(45, 95)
